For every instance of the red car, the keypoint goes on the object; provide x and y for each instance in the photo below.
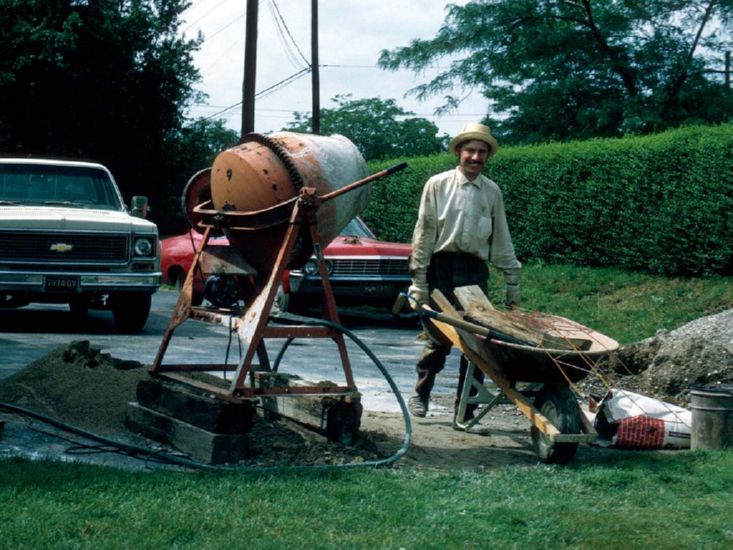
(362, 270)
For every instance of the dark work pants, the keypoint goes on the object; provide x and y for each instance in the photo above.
(449, 270)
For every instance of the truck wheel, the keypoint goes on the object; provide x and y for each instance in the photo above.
(558, 404)
(131, 311)
(79, 307)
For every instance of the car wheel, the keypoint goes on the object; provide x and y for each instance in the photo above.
(131, 310)
(558, 404)
(282, 300)
(298, 305)
(79, 306)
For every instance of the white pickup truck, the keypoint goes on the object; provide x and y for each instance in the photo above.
(66, 236)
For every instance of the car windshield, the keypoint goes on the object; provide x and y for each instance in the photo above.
(56, 185)
(357, 228)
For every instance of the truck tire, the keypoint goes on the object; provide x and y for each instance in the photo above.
(131, 310)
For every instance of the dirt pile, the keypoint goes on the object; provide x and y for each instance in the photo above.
(78, 385)
(667, 365)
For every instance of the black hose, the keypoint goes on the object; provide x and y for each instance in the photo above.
(405, 413)
(132, 450)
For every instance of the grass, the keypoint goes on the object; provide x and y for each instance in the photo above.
(632, 500)
(624, 305)
(658, 500)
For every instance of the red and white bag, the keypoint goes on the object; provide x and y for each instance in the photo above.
(630, 420)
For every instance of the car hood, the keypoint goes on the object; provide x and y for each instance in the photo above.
(361, 246)
(82, 219)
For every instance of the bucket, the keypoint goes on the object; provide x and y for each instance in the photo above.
(712, 416)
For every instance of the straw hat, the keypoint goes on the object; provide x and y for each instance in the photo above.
(474, 131)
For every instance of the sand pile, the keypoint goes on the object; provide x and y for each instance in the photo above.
(79, 385)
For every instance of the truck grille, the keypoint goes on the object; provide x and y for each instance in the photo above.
(376, 266)
(60, 248)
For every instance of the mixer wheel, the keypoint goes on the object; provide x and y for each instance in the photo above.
(131, 310)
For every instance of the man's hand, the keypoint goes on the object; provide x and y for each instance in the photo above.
(418, 295)
(513, 295)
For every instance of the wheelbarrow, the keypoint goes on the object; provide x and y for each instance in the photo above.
(532, 360)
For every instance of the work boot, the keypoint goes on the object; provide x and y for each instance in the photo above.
(476, 429)
(417, 406)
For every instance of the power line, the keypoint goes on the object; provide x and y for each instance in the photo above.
(204, 15)
(266, 91)
(287, 30)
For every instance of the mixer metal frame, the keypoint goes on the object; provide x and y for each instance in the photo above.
(252, 324)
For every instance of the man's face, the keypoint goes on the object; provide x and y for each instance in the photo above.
(472, 157)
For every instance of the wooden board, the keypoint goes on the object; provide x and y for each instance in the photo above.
(525, 328)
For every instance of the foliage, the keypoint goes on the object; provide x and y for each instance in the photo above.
(601, 499)
(107, 80)
(559, 70)
(193, 148)
(658, 203)
(379, 128)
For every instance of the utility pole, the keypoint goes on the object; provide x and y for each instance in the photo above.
(315, 76)
(250, 69)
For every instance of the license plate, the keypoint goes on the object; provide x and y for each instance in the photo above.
(61, 284)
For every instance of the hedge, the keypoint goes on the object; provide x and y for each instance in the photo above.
(660, 204)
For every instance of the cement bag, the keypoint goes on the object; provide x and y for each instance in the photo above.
(630, 420)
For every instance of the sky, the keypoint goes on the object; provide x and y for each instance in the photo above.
(351, 35)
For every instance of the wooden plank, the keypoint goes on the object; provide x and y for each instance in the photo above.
(473, 295)
(515, 324)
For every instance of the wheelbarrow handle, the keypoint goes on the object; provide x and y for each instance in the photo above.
(489, 333)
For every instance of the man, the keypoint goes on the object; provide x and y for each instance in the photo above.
(461, 225)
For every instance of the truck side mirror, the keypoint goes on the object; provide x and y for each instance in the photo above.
(139, 206)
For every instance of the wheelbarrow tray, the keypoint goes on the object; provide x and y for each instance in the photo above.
(527, 363)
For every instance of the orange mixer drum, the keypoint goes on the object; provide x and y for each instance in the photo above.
(265, 171)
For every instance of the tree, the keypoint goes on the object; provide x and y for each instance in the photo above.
(562, 69)
(379, 128)
(106, 79)
(192, 149)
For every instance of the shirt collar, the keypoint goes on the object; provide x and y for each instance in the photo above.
(463, 180)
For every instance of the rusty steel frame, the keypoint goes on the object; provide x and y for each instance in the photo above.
(252, 327)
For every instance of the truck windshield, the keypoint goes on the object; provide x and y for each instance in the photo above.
(75, 186)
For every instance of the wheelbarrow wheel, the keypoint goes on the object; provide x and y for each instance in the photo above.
(557, 403)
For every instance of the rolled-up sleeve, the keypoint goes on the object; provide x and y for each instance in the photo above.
(424, 235)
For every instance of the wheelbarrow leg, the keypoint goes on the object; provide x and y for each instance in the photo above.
(483, 397)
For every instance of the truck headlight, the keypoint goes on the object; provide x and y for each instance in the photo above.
(143, 246)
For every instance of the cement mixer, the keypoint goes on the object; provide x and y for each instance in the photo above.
(279, 199)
